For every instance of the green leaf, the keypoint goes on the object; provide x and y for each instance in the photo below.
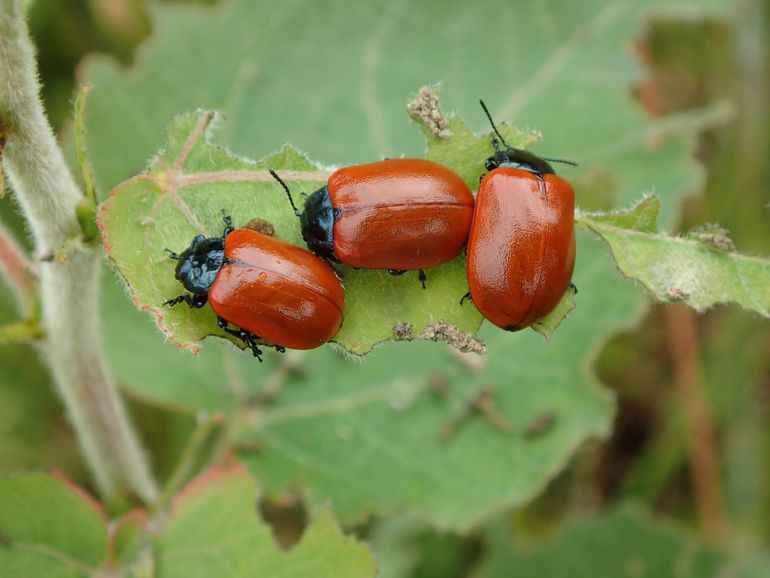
(214, 531)
(405, 548)
(33, 431)
(548, 324)
(128, 539)
(48, 527)
(619, 544)
(567, 73)
(372, 437)
(643, 217)
(183, 193)
(696, 270)
(557, 56)
(219, 378)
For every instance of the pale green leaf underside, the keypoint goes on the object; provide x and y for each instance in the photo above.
(676, 269)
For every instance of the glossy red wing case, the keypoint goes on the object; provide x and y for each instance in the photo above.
(399, 214)
(521, 250)
(280, 292)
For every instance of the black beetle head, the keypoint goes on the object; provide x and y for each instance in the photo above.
(514, 158)
(317, 222)
(199, 264)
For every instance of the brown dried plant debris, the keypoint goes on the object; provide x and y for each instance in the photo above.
(426, 108)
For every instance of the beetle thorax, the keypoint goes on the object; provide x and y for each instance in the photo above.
(200, 262)
(513, 158)
(317, 222)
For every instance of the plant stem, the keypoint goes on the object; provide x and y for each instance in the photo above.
(48, 196)
(701, 438)
(86, 211)
(20, 332)
(185, 468)
(80, 142)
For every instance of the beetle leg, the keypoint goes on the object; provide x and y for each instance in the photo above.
(198, 301)
(330, 262)
(175, 300)
(422, 277)
(466, 296)
(249, 339)
(224, 324)
(193, 301)
(573, 287)
(228, 224)
(252, 343)
(280, 348)
(396, 272)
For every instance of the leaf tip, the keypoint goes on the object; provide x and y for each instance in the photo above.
(160, 321)
(548, 324)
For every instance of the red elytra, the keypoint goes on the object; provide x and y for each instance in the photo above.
(401, 214)
(521, 249)
(280, 292)
(396, 214)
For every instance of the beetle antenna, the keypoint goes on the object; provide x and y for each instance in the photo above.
(494, 128)
(562, 161)
(172, 255)
(285, 188)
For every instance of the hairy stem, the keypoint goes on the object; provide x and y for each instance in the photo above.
(69, 287)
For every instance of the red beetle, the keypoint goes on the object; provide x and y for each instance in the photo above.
(396, 214)
(268, 289)
(521, 249)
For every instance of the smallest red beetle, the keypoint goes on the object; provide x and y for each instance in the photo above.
(266, 288)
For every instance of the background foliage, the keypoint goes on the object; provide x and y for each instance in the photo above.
(646, 97)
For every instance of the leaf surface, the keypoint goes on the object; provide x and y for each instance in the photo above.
(214, 531)
(621, 543)
(183, 194)
(699, 271)
(331, 431)
(48, 527)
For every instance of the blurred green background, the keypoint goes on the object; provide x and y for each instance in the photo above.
(644, 411)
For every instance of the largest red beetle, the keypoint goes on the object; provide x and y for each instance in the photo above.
(268, 289)
(521, 249)
(395, 214)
